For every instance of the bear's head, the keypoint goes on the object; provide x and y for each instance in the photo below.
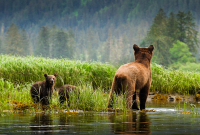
(50, 79)
(143, 53)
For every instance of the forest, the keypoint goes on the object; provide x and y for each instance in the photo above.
(104, 31)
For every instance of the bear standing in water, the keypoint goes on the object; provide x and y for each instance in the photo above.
(41, 91)
(134, 76)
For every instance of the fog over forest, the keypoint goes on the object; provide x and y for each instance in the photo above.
(102, 30)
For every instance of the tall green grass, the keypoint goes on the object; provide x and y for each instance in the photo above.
(23, 70)
(17, 98)
(174, 81)
(31, 69)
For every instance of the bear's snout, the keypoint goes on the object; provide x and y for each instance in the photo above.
(52, 81)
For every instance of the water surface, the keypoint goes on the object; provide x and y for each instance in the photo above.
(166, 120)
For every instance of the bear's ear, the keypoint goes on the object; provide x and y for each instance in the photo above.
(55, 75)
(151, 47)
(135, 47)
(45, 75)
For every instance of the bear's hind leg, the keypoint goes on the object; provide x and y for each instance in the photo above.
(135, 105)
(143, 96)
(130, 96)
(113, 89)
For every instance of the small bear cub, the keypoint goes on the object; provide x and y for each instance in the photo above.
(41, 91)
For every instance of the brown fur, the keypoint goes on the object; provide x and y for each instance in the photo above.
(64, 92)
(41, 91)
(134, 76)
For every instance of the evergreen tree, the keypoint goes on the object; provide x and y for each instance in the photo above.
(182, 21)
(157, 35)
(71, 43)
(13, 41)
(52, 41)
(25, 43)
(2, 50)
(172, 27)
(91, 45)
(43, 47)
(191, 33)
(187, 32)
(107, 48)
(61, 48)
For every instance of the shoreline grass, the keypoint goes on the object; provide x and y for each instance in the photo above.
(174, 81)
(17, 74)
(19, 69)
(19, 99)
(22, 70)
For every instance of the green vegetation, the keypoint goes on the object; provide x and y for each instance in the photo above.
(32, 69)
(174, 81)
(17, 98)
(89, 30)
(94, 80)
(174, 37)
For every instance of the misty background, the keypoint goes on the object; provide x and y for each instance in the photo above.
(103, 30)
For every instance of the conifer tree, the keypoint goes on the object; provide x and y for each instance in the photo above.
(52, 41)
(25, 43)
(172, 27)
(13, 41)
(187, 32)
(61, 48)
(181, 20)
(157, 35)
(71, 43)
(43, 47)
(191, 33)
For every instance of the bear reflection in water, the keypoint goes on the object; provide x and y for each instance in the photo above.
(133, 123)
(41, 124)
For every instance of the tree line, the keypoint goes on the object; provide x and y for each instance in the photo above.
(175, 38)
(52, 42)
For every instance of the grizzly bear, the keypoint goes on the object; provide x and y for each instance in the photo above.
(41, 91)
(134, 76)
(64, 92)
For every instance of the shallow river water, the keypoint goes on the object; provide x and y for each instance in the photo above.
(166, 120)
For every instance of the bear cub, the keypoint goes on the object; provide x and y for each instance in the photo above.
(64, 92)
(41, 91)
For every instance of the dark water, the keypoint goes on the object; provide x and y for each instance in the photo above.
(167, 120)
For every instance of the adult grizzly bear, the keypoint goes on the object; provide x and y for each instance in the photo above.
(41, 91)
(134, 76)
(64, 92)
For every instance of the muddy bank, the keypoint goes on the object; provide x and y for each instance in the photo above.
(173, 97)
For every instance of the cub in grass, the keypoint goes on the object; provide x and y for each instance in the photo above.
(41, 91)
(64, 92)
(134, 76)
